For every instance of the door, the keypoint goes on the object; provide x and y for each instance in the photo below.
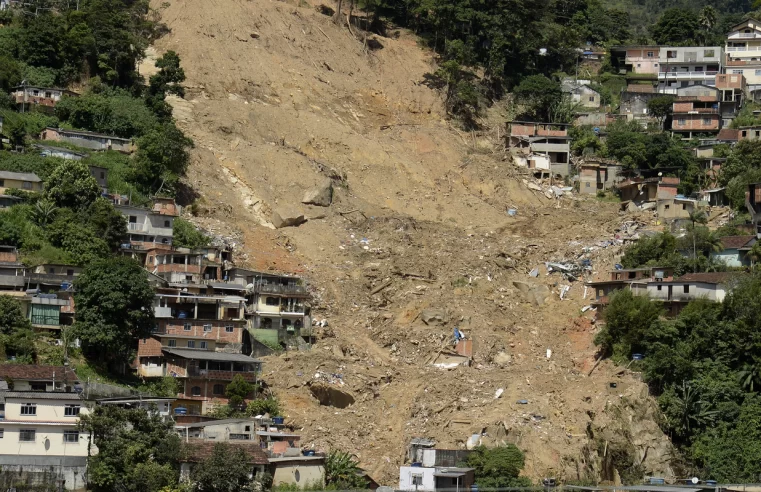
(671, 288)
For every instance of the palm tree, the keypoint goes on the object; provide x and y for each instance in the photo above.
(696, 217)
(750, 375)
(43, 212)
(713, 244)
(707, 19)
(694, 411)
(754, 254)
(342, 470)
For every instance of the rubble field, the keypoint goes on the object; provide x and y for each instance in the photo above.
(428, 230)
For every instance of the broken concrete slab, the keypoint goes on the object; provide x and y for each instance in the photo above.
(287, 217)
(433, 316)
(331, 396)
(534, 293)
(321, 195)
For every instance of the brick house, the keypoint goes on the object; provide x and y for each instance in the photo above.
(696, 110)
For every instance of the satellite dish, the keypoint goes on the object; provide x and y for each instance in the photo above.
(695, 480)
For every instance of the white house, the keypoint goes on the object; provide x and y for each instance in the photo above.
(690, 65)
(432, 479)
(146, 227)
(39, 434)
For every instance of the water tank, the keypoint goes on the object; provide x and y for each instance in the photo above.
(180, 411)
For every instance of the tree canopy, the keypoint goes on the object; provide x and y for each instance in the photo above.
(498, 467)
(114, 308)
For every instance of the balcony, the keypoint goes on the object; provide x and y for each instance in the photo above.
(281, 289)
(744, 50)
(162, 312)
(135, 227)
(705, 75)
(697, 111)
(550, 147)
(42, 320)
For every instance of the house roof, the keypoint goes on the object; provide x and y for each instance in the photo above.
(20, 176)
(728, 134)
(199, 450)
(26, 372)
(706, 278)
(746, 22)
(735, 242)
(92, 134)
(208, 423)
(41, 395)
(208, 355)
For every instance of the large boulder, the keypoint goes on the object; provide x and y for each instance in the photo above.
(287, 217)
(434, 316)
(321, 195)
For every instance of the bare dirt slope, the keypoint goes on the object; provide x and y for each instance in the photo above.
(278, 99)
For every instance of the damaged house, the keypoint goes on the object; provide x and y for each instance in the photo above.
(542, 147)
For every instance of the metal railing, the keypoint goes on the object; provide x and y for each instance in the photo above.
(134, 226)
(46, 320)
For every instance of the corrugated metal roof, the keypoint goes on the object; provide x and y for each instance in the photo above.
(20, 176)
(41, 395)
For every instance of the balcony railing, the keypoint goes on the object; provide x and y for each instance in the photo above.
(281, 289)
(45, 320)
(134, 226)
(687, 75)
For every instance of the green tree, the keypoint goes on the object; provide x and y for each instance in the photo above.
(676, 27)
(83, 243)
(185, 235)
(538, 95)
(226, 470)
(696, 217)
(342, 471)
(707, 21)
(498, 467)
(628, 319)
(10, 73)
(754, 254)
(71, 185)
(114, 309)
(16, 335)
(107, 222)
(137, 451)
(263, 406)
(238, 390)
(660, 107)
(162, 157)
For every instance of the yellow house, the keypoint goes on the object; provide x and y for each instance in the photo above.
(39, 433)
(21, 181)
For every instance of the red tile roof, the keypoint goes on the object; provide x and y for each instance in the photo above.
(706, 278)
(735, 242)
(197, 450)
(24, 372)
(728, 134)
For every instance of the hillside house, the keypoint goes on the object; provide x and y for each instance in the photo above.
(89, 140)
(41, 437)
(734, 251)
(749, 133)
(743, 54)
(732, 90)
(696, 110)
(184, 265)
(680, 67)
(19, 181)
(148, 228)
(12, 281)
(581, 93)
(157, 405)
(596, 175)
(621, 279)
(670, 209)
(543, 147)
(435, 479)
(642, 190)
(714, 197)
(101, 176)
(45, 97)
(676, 293)
(30, 377)
(637, 60)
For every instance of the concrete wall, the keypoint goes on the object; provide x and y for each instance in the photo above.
(730, 257)
(697, 290)
(302, 474)
(405, 479)
(675, 209)
(39, 471)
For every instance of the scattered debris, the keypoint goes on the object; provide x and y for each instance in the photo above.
(498, 393)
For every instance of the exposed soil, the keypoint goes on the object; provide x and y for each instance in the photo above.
(278, 98)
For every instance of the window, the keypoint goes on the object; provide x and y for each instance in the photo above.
(660, 287)
(38, 386)
(686, 289)
(195, 391)
(601, 293)
(186, 326)
(218, 389)
(29, 409)
(207, 327)
(417, 479)
(166, 223)
(758, 72)
(272, 301)
(684, 206)
(71, 410)
(26, 435)
(204, 345)
(70, 272)
(71, 436)
(102, 175)
(733, 78)
(191, 344)
(48, 94)
(708, 54)
(681, 121)
(706, 121)
(239, 437)
(650, 54)
(744, 133)
(639, 65)
(229, 328)
(132, 219)
(27, 185)
(737, 72)
(2, 432)
(666, 207)
(172, 343)
(2, 183)
(591, 98)
(587, 185)
(671, 54)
